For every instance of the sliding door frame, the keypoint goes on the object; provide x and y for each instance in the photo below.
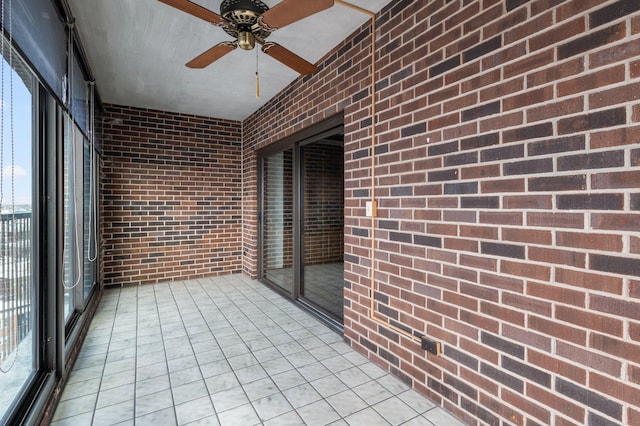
(309, 135)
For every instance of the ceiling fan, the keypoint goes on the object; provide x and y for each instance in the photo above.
(251, 21)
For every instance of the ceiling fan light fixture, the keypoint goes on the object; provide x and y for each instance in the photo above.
(246, 40)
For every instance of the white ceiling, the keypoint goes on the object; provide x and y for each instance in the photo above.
(137, 50)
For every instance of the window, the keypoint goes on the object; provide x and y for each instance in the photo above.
(19, 359)
(47, 207)
(79, 220)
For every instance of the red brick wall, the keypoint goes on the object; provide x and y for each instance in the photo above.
(171, 197)
(507, 175)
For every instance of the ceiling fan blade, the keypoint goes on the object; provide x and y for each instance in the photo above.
(195, 10)
(288, 58)
(212, 55)
(289, 11)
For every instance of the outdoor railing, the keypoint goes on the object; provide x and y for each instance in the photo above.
(15, 281)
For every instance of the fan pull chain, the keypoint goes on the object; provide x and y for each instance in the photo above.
(257, 77)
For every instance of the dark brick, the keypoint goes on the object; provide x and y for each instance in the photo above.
(400, 326)
(382, 149)
(360, 232)
(464, 359)
(591, 41)
(400, 237)
(512, 4)
(544, 165)
(553, 146)
(595, 120)
(635, 201)
(612, 12)
(441, 389)
(387, 224)
(442, 175)
(589, 398)
(414, 129)
(481, 111)
(389, 334)
(504, 250)
(460, 159)
(558, 183)
(502, 153)
(480, 141)
(444, 66)
(401, 191)
(502, 345)
(425, 240)
(461, 188)
(480, 413)
(387, 311)
(502, 377)
(525, 370)
(349, 258)
(402, 74)
(443, 148)
(480, 202)
(595, 420)
(368, 344)
(483, 48)
(360, 95)
(598, 160)
(616, 265)
(363, 153)
(461, 386)
(530, 132)
(391, 358)
(590, 202)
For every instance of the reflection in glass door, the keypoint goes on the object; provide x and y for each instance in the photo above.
(302, 221)
(323, 225)
(277, 218)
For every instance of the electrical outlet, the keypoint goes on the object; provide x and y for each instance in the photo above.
(431, 346)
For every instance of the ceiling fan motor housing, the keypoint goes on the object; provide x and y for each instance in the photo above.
(243, 15)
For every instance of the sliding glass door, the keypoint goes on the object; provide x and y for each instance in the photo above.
(302, 220)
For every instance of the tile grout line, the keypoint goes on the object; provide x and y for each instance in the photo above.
(166, 361)
(106, 357)
(198, 281)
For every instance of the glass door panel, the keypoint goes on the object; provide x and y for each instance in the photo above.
(323, 226)
(277, 217)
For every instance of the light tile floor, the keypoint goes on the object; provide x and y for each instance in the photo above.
(226, 351)
(323, 285)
